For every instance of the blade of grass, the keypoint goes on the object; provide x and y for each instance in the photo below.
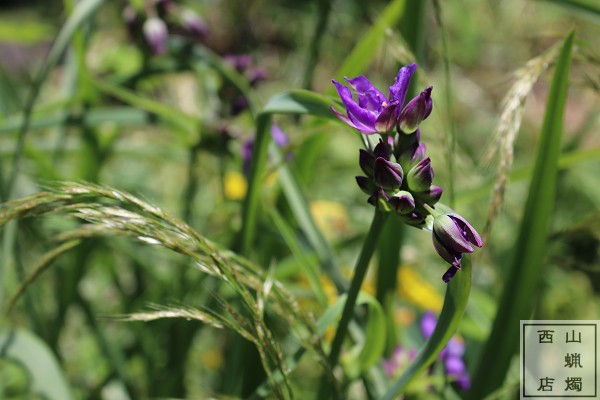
(526, 269)
(364, 51)
(590, 8)
(45, 375)
(455, 302)
(82, 12)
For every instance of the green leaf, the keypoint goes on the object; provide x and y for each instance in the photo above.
(364, 51)
(186, 124)
(455, 303)
(526, 270)
(45, 375)
(300, 101)
(370, 349)
(84, 10)
(590, 8)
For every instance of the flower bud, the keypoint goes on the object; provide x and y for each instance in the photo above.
(387, 174)
(387, 119)
(431, 195)
(155, 32)
(382, 150)
(415, 111)
(454, 232)
(419, 178)
(192, 23)
(366, 184)
(366, 161)
(408, 149)
(402, 202)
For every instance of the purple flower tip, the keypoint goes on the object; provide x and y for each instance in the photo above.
(387, 174)
(419, 178)
(155, 32)
(417, 110)
(194, 24)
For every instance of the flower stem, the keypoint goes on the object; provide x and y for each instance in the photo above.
(362, 264)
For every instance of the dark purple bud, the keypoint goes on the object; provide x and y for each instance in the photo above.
(155, 32)
(366, 161)
(415, 111)
(366, 185)
(239, 62)
(408, 149)
(402, 202)
(238, 105)
(379, 199)
(192, 23)
(388, 118)
(387, 174)
(448, 275)
(455, 233)
(419, 178)
(431, 195)
(257, 75)
(382, 150)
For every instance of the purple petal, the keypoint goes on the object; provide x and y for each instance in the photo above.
(454, 366)
(279, 136)
(362, 119)
(388, 118)
(400, 87)
(449, 255)
(448, 275)
(467, 230)
(428, 323)
(450, 234)
(369, 96)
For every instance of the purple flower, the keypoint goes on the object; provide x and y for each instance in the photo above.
(453, 236)
(192, 23)
(155, 32)
(373, 113)
(451, 355)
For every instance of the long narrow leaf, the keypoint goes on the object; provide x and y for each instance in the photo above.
(455, 303)
(362, 54)
(45, 375)
(526, 270)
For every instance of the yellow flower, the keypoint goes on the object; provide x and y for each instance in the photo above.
(412, 288)
(235, 185)
(331, 217)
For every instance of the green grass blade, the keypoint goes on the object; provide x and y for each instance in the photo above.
(301, 210)
(82, 12)
(45, 375)
(455, 302)
(526, 270)
(299, 101)
(185, 124)
(364, 51)
(588, 7)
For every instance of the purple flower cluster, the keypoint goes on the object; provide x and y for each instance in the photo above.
(399, 175)
(158, 18)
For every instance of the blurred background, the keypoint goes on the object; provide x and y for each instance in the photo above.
(166, 111)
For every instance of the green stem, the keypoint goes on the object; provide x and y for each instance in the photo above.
(360, 271)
